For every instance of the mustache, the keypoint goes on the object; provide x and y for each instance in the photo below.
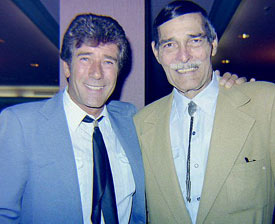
(182, 66)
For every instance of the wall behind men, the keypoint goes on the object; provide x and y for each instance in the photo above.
(130, 15)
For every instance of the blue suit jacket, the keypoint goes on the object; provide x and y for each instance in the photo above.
(38, 176)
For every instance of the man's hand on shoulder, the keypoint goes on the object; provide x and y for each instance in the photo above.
(228, 79)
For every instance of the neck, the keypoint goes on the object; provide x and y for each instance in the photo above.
(95, 112)
(190, 94)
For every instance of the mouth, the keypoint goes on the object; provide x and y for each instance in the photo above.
(93, 87)
(185, 70)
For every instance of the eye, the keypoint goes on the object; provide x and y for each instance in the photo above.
(196, 42)
(168, 45)
(109, 62)
(84, 59)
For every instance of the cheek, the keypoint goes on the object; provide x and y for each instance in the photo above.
(111, 76)
(113, 80)
(202, 54)
(79, 74)
(166, 59)
(80, 70)
(198, 54)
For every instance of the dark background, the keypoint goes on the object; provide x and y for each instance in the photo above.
(29, 36)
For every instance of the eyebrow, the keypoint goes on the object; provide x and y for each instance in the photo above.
(111, 58)
(189, 35)
(197, 35)
(166, 41)
(83, 54)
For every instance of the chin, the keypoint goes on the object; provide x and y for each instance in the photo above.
(94, 104)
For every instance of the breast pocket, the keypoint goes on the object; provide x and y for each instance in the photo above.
(247, 186)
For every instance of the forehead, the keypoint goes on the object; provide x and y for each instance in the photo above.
(108, 49)
(186, 24)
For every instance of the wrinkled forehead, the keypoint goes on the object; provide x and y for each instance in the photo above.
(191, 23)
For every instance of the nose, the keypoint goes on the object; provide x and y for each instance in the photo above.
(183, 54)
(95, 70)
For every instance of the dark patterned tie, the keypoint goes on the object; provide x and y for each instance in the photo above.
(103, 188)
(192, 107)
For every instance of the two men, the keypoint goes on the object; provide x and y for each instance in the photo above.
(46, 156)
(46, 162)
(208, 153)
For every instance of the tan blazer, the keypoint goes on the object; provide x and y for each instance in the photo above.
(234, 191)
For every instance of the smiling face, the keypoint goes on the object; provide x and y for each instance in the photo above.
(185, 53)
(92, 76)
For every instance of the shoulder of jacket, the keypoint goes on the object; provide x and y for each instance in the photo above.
(123, 108)
(153, 107)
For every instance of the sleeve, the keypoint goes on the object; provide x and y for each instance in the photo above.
(133, 109)
(13, 167)
(272, 139)
(271, 196)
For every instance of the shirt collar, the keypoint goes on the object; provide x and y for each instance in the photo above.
(206, 100)
(74, 113)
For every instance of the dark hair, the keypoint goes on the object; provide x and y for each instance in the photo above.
(179, 8)
(93, 30)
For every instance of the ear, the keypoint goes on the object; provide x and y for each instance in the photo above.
(214, 46)
(155, 51)
(66, 69)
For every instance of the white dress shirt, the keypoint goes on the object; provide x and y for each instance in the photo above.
(200, 140)
(81, 136)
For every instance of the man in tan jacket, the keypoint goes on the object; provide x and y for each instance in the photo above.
(209, 153)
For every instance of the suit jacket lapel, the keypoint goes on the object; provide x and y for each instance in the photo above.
(123, 126)
(58, 148)
(157, 139)
(231, 127)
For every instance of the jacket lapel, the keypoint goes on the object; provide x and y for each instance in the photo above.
(58, 149)
(122, 123)
(156, 137)
(231, 127)
(123, 126)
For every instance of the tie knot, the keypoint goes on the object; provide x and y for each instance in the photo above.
(88, 119)
(192, 107)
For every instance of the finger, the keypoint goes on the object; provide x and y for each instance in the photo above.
(224, 79)
(234, 77)
(229, 83)
(241, 80)
(217, 72)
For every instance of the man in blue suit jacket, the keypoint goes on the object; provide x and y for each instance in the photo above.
(45, 173)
